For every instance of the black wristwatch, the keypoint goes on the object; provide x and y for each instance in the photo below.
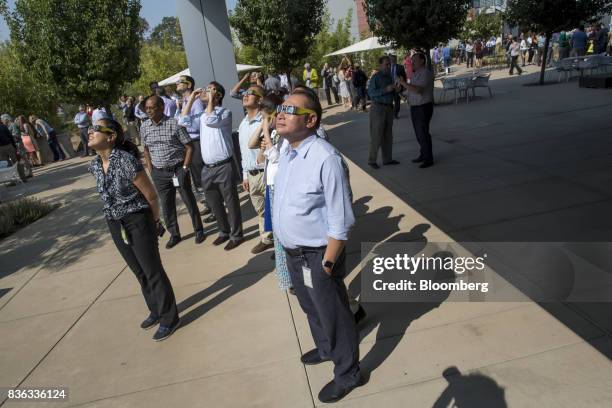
(328, 264)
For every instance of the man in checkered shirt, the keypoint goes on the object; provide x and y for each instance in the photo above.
(168, 150)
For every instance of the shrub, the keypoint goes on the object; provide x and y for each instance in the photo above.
(19, 213)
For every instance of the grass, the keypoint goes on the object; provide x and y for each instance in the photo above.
(15, 215)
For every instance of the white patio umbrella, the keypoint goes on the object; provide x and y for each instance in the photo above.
(372, 43)
(172, 79)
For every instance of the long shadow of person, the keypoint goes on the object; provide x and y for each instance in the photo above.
(392, 317)
(227, 286)
(470, 391)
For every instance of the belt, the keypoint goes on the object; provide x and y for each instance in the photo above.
(217, 164)
(255, 172)
(300, 251)
(169, 168)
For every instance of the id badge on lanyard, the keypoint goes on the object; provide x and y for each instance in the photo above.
(175, 181)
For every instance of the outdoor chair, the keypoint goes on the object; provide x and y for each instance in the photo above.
(481, 81)
(565, 67)
(448, 84)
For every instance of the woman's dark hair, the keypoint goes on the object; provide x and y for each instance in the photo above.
(270, 102)
(120, 142)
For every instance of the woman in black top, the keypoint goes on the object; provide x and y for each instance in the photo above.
(132, 213)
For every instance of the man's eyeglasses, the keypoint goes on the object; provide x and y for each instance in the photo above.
(252, 92)
(294, 110)
(100, 128)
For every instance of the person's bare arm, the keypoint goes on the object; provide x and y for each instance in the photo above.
(238, 85)
(187, 108)
(147, 157)
(188, 154)
(333, 251)
(143, 183)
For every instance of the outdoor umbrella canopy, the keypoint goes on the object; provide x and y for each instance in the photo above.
(172, 80)
(372, 43)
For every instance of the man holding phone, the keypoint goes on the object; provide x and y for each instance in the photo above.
(218, 174)
(168, 150)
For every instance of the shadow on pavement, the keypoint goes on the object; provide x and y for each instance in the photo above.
(470, 391)
(227, 286)
(49, 241)
(519, 167)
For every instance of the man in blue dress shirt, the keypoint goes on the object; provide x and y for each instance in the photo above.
(312, 217)
(81, 119)
(218, 176)
(382, 90)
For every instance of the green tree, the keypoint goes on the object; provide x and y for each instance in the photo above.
(483, 26)
(282, 31)
(167, 32)
(327, 41)
(89, 49)
(549, 16)
(156, 63)
(416, 23)
(22, 92)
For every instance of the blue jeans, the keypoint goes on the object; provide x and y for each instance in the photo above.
(58, 153)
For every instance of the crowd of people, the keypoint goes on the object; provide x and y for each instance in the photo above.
(298, 185)
(31, 140)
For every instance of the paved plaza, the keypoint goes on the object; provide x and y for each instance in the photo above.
(530, 164)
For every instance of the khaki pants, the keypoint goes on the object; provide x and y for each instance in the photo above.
(257, 192)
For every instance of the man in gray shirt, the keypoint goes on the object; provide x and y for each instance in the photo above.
(420, 96)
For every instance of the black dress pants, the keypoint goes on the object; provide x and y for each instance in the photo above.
(326, 305)
(196, 164)
(162, 178)
(421, 117)
(142, 257)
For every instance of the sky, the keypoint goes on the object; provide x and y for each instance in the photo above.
(152, 10)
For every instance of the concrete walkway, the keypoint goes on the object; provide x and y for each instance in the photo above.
(70, 310)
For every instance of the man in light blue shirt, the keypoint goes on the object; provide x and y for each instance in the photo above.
(218, 175)
(81, 119)
(185, 86)
(312, 217)
(252, 172)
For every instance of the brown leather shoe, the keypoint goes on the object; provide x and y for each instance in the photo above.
(260, 247)
(219, 240)
(233, 244)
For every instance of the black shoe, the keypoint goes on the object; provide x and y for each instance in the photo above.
(359, 315)
(312, 357)
(219, 240)
(292, 291)
(205, 211)
(418, 160)
(172, 242)
(164, 331)
(149, 323)
(332, 392)
(210, 218)
(374, 165)
(200, 237)
(233, 244)
(426, 164)
(391, 163)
